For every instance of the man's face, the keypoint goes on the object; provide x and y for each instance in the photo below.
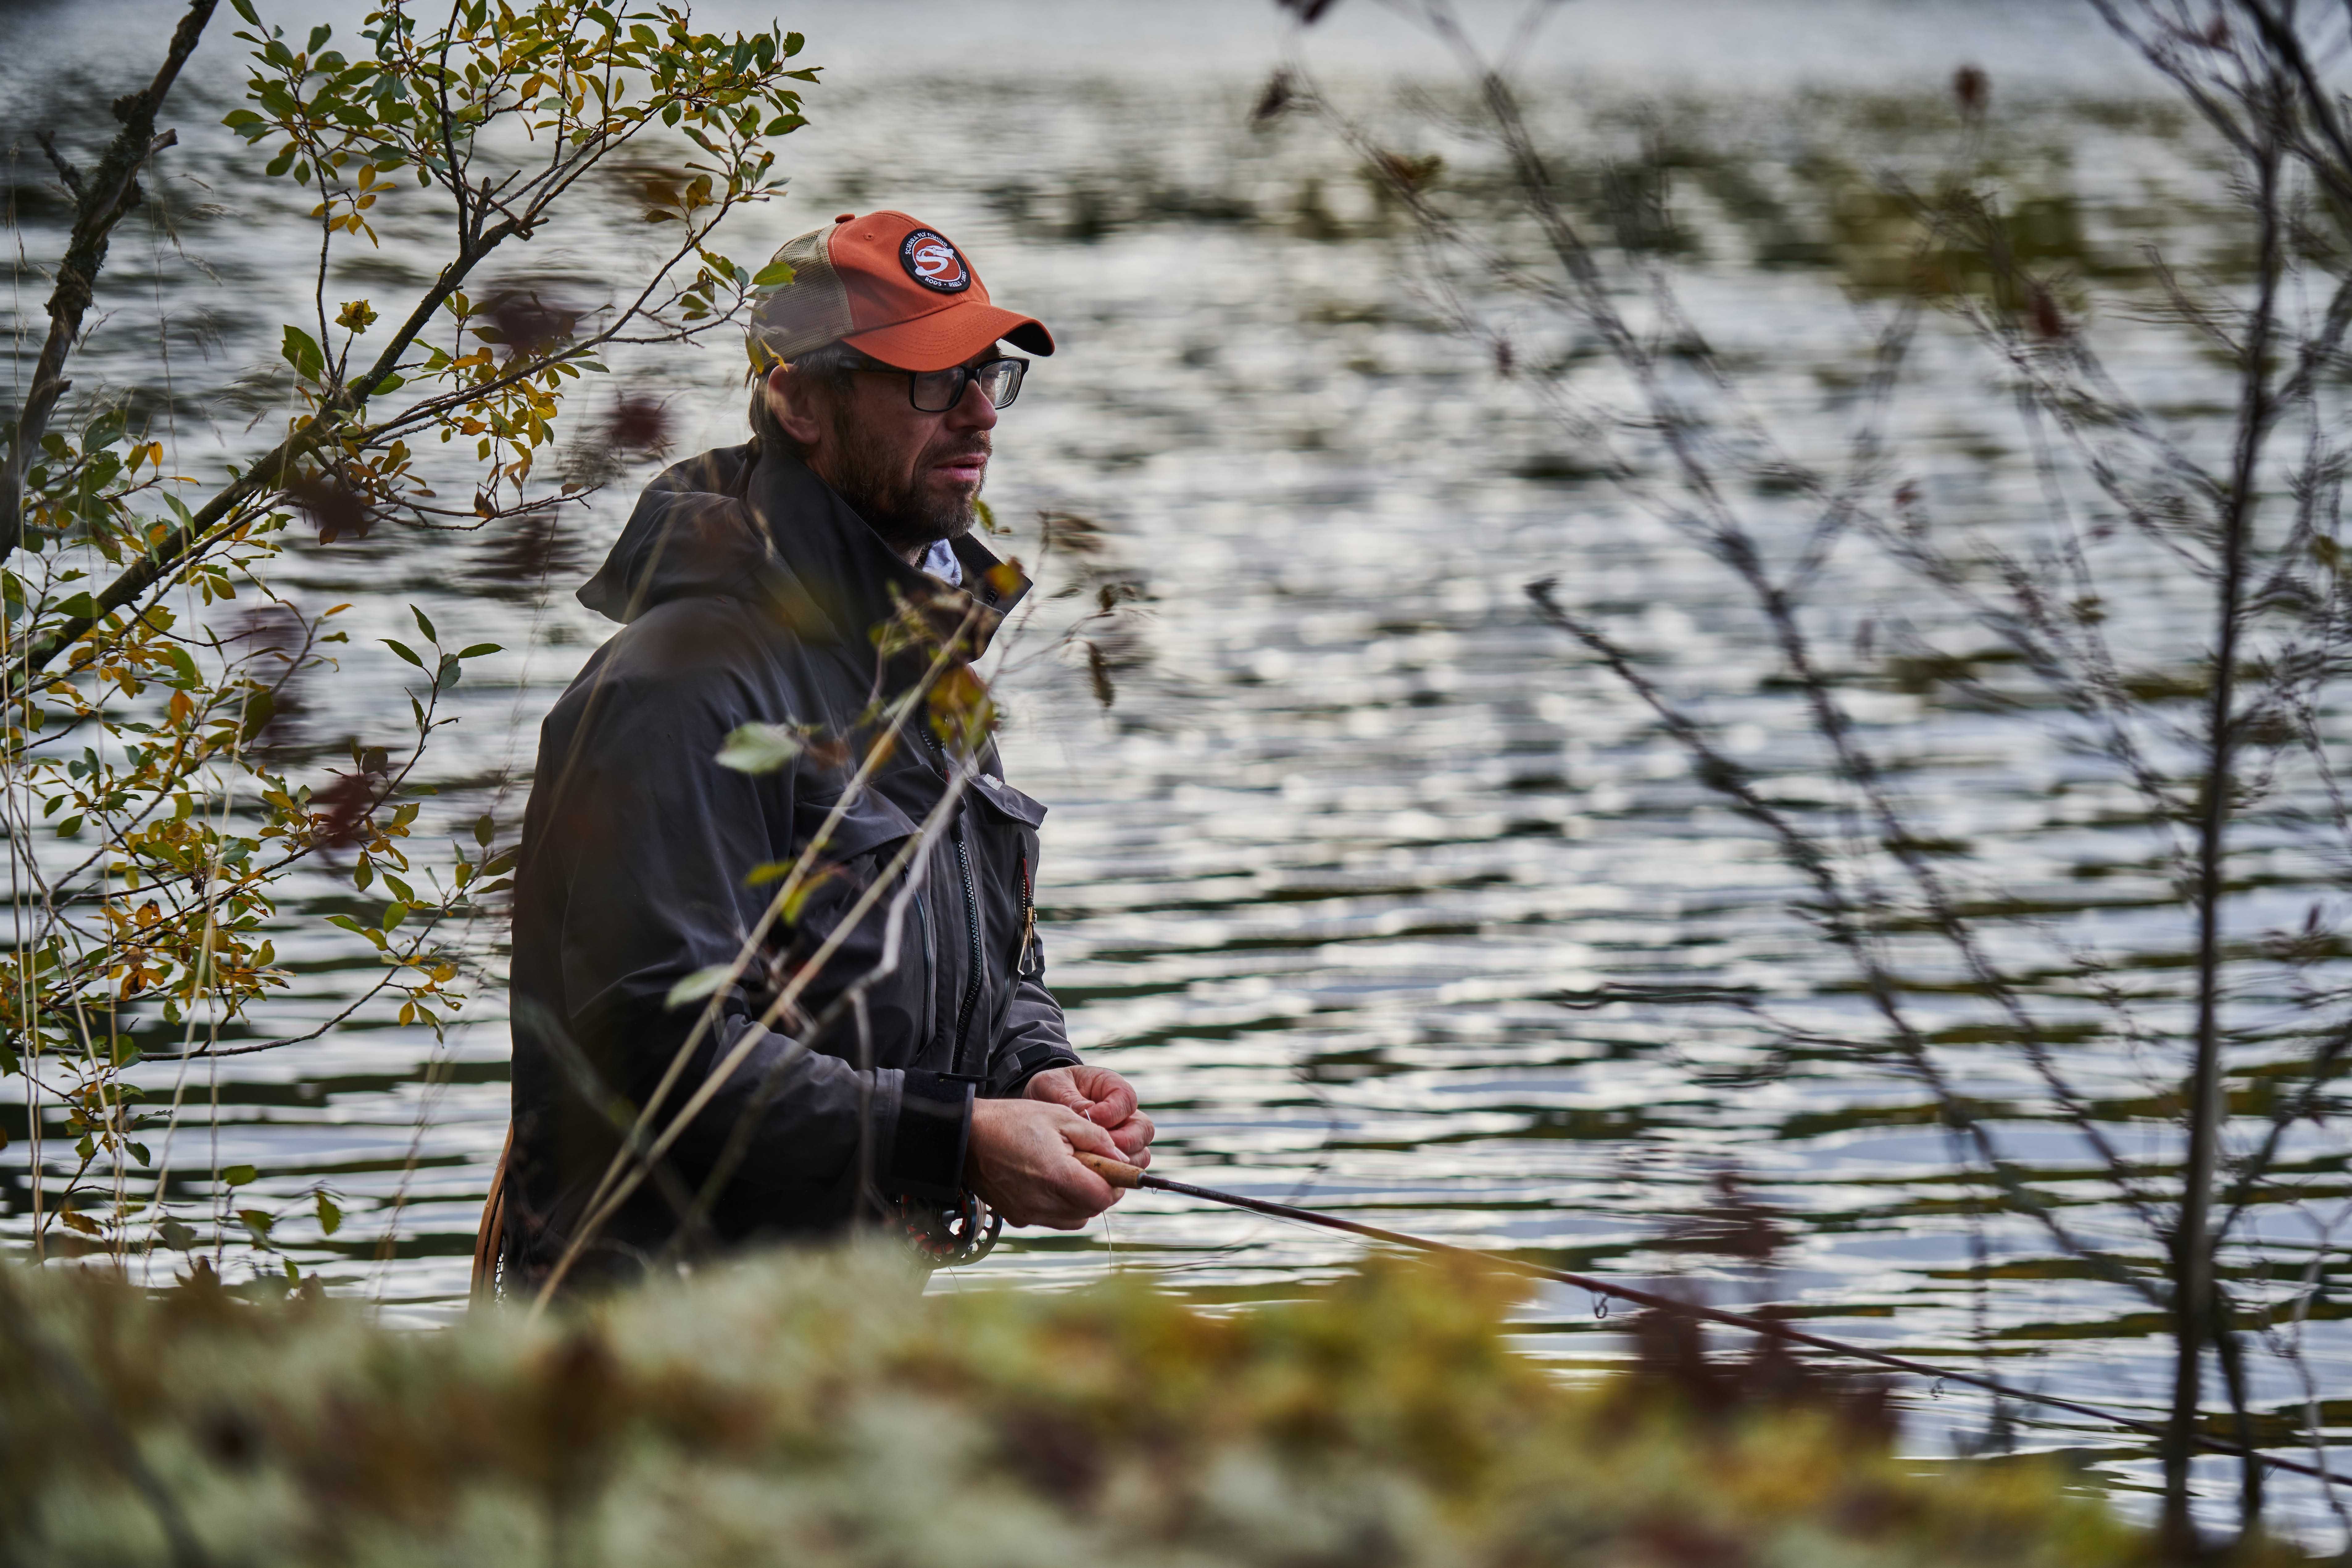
(912, 476)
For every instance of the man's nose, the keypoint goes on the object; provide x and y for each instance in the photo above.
(972, 411)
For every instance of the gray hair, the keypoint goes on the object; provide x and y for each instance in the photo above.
(827, 366)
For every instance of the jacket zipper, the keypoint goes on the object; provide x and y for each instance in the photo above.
(1028, 947)
(931, 973)
(971, 925)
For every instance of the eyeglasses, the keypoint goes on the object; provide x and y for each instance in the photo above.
(937, 391)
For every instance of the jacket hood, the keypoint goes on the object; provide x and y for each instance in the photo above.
(740, 522)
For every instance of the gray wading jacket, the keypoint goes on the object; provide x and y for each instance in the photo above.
(750, 592)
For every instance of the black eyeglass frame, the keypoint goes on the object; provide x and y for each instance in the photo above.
(965, 374)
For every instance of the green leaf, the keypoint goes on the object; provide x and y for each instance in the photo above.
(700, 983)
(260, 707)
(330, 1218)
(404, 651)
(773, 274)
(799, 900)
(244, 9)
(393, 914)
(478, 650)
(258, 1222)
(425, 625)
(238, 1176)
(81, 607)
(767, 871)
(484, 827)
(759, 749)
(301, 351)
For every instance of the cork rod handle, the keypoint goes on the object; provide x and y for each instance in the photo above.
(1115, 1171)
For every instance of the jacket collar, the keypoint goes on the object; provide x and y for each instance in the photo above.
(858, 580)
(738, 522)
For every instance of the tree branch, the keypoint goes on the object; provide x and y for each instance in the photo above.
(102, 201)
(265, 476)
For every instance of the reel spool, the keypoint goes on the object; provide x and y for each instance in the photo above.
(948, 1235)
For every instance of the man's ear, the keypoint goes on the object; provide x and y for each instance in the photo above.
(792, 401)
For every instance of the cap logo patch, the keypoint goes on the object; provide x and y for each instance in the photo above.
(931, 261)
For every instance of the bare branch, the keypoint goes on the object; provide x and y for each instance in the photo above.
(111, 192)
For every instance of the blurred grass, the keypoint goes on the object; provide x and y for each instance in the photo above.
(815, 1410)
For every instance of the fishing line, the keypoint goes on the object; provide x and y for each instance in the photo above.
(1119, 1174)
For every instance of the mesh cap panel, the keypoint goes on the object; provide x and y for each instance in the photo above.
(808, 313)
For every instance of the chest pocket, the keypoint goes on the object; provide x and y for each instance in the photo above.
(856, 841)
(855, 854)
(1010, 803)
(1007, 823)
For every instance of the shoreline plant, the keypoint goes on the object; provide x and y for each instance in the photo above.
(152, 822)
(812, 1408)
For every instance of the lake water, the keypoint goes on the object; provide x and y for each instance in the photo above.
(1342, 878)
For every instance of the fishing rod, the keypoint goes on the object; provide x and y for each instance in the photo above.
(1120, 1174)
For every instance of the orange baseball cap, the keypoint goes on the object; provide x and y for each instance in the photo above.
(887, 286)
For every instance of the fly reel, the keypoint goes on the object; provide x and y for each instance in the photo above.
(945, 1236)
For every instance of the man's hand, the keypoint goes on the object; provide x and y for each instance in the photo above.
(1021, 1161)
(1103, 1097)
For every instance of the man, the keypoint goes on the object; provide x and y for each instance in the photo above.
(812, 581)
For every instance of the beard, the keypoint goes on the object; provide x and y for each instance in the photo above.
(875, 483)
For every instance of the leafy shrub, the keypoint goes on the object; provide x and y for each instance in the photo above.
(817, 1410)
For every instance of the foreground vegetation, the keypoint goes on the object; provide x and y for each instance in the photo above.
(817, 1411)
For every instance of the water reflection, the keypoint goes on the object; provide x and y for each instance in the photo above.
(1386, 902)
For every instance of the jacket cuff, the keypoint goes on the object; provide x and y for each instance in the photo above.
(1029, 1063)
(934, 1131)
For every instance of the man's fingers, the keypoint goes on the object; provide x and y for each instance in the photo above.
(1133, 1137)
(1085, 1195)
(1084, 1134)
(1114, 1099)
(1022, 1160)
(1057, 1086)
(1026, 1153)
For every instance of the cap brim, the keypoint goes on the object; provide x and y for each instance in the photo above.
(948, 337)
